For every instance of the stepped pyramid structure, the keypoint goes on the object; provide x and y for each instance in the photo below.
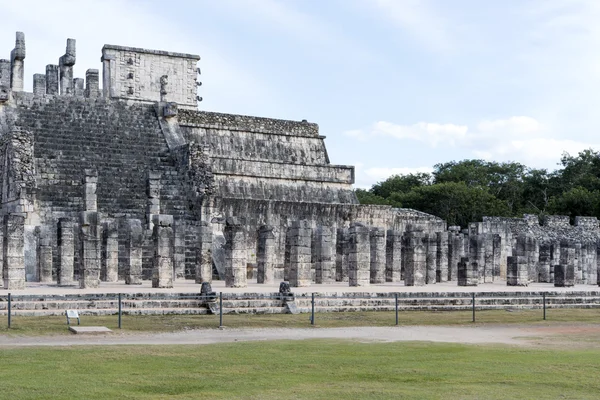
(118, 176)
(136, 148)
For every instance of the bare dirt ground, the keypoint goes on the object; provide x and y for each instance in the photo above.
(552, 336)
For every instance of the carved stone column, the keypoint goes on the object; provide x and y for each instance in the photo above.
(467, 272)
(415, 269)
(442, 257)
(204, 267)
(110, 252)
(17, 59)
(13, 252)
(235, 253)
(65, 65)
(393, 255)
(163, 239)
(300, 253)
(66, 251)
(133, 252)
(378, 255)
(359, 255)
(341, 257)
(431, 257)
(90, 256)
(265, 255)
(52, 79)
(44, 253)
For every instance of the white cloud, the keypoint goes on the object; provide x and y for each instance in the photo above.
(431, 133)
(519, 138)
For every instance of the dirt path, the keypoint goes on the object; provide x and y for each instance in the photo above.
(471, 335)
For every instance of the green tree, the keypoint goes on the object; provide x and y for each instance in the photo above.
(536, 191)
(366, 197)
(400, 184)
(503, 180)
(577, 201)
(580, 171)
(455, 202)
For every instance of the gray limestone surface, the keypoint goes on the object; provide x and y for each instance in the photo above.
(235, 253)
(359, 256)
(129, 144)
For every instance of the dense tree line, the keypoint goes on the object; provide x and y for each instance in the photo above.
(463, 191)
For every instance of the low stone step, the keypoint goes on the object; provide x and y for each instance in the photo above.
(100, 304)
(89, 330)
(110, 311)
(256, 310)
(251, 303)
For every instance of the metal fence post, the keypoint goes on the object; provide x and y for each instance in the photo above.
(473, 306)
(544, 301)
(396, 295)
(220, 309)
(120, 310)
(312, 317)
(9, 308)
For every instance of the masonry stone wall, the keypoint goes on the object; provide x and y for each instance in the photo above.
(261, 158)
(136, 152)
(138, 74)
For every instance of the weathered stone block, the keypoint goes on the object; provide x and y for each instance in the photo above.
(378, 255)
(235, 253)
(359, 256)
(430, 241)
(133, 252)
(517, 271)
(300, 254)
(415, 268)
(324, 255)
(393, 255)
(44, 253)
(90, 256)
(468, 274)
(204, 265)
(265, 255)
(110, 252)
(442, 257)
(163, 243)
(66, 251)
(564, 273)
(13, 252)
(341, 258)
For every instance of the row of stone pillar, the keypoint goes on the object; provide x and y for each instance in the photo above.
(360, 255)
(99, 251)
(482, 265)
(564, 262)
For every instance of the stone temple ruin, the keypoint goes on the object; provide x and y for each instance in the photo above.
(128, 181)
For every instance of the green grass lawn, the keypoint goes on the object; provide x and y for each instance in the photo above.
(312, 369)
(170, 323)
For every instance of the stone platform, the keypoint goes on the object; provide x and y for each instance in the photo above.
(184, 298)
(89, 330)
(188, 286)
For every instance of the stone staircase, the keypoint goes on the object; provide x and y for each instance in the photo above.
(270, 303)
(123, 142)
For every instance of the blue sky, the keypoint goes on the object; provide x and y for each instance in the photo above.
(395, 85)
